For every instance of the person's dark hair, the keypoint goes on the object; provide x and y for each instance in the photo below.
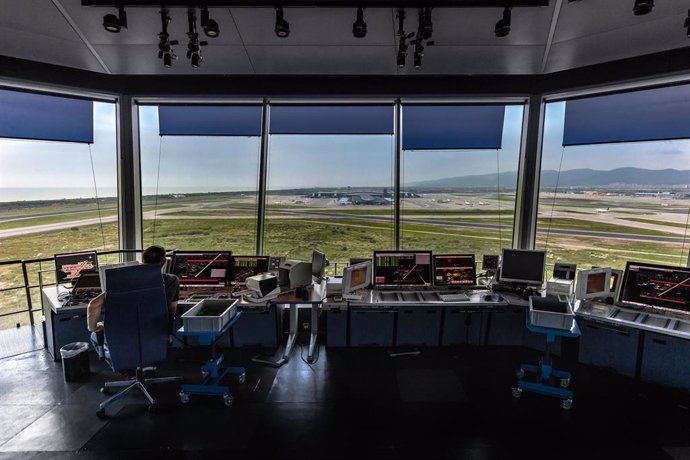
(154, 255)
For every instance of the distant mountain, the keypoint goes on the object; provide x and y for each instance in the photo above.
(570, 178)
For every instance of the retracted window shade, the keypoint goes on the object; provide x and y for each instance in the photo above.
(209, 120)
(449, 127)
(25, 115)
(647, 115)
(318, 119)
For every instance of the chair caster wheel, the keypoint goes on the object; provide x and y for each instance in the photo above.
(184, 398)
(567, 404)
(520, 373)
(517, 392)
(228, 400)
(565, 383)
(242, 378)
(106, 391)
(100, 413)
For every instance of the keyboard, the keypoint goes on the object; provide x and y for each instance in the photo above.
(454, 297)
(352, 297)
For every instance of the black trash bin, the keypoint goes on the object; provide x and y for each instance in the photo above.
(75, 361)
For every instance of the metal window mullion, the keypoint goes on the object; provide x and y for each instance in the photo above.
(130, 216)
(263, 174)
(397, 132)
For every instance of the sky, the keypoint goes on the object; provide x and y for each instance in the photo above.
(189, 164)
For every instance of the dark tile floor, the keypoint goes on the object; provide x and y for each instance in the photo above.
(353, 403)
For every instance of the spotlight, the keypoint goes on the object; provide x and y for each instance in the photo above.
(643, 7)
(194, 45)
(165, 50)
(210, 26)
(417, 60)
(402, 56)
(113, 23)
(503, 25)
(282, 28)
(687, 24)
(426, 28)
(359, 27)
(402, 39)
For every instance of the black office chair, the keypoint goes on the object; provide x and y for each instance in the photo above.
(135, 323)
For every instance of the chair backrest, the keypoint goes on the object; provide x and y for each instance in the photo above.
(136, 316)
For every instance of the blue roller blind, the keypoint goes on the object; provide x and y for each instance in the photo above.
(321, 119)
(648, 115)
(209, 120)
(41, 117)
(446, 127)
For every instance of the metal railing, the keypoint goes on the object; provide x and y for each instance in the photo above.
(26, 263)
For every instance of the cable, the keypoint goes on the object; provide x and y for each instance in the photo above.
(685, 237)
(498, 198)
(158, 177)
(95, 189)
(301, 355)
(553, 202)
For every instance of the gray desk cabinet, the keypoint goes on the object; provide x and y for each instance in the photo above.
(257, 328)
(463, 325)
(63, 325)
(419, 325)
(336, 327)
(608, 346)
(372, 326)
(666, 360)
(506, 326)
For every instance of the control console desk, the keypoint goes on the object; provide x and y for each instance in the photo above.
(63, 324)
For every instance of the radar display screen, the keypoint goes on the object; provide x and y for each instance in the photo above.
(454, 270)
(656, 285)
(402, 268)
(201, 268)
(245, 266)
(68, 267)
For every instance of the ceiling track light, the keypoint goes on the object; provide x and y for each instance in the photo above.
(282, 27)
(113, 23)
(402, 39)
(209, 25)
(194, 45)
(425, 30)
(165, 50)
(643, 7)
(687, 24)
(502, 28)
(359, 27)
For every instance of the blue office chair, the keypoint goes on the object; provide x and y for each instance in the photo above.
(135, 323)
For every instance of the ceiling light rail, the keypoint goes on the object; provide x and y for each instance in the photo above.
(318, 3)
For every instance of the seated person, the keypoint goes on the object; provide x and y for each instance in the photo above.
(152, 255)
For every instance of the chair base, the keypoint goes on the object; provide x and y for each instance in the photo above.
(130, 385)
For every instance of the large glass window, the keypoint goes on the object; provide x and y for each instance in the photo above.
(461, 200)
(199, 191)
(603, 204)
(331, 189)
(55, 196)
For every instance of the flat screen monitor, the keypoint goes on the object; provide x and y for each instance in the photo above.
(68, 267)
(522, 266)
(357, 276)
(663, 286)
(243, 267)
(402, 268)
(454, 270)
(88, 280)
(274, 263)
(201, 268)
(490, 262)
(359, 260)
(564, 271)
(318, 265)
(594, 283)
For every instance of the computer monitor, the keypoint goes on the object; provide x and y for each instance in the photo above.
(490, 262)
(201, 268)
(522, 266)
(594, 283)
(564, 271)
(454, 270)
(402, 268)
(663, 286)
(274, 263)
(88, 280)
(318, 265)
(356, 276)
(68, 267)
(359, 260)
(243, 267)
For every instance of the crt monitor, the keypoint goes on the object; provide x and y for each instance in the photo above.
(356, 276)
(663, 286)
(68, 267)
(454, 270)
(402, 268)
(318, 265)
(490, 262)
(243, 267)
(522, 266)
(594, 283)
(201, 268)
